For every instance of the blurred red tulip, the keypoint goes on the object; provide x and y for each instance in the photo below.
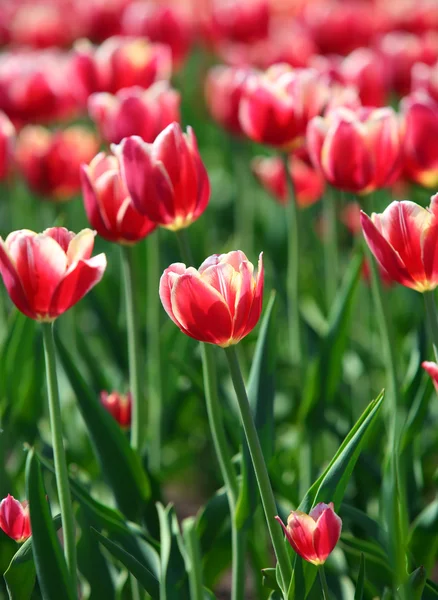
(224, 87)
(166, 24)
(50, 161)
(364, 69)
(432, 369)
(313, 536)
(166, 180)
(119, 406)
(421, 133)
(7, 143)
(242, 21)
(119, 63)
(134, 111)
(350, 216)
(308, 183)
(108, 205)
(356, 151)
(15, 519)
(403, 240)
(220, 303)
(277, 105)
(46, 274)
(101, 19)
(425, 78)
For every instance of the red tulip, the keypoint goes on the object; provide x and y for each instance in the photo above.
(364, 69)
(7, 142)
(46, 274)
(119, 406)
(356, 151)
(242, 21)
(432, 369)
(101, 19)
(403, 240)
(425, 78)
(108, 205)
(166, 180)
(350, 216)
(119, 63)
(165, 24)
(134, 111)
(277, 105)
(224, 87)
(308, 183)
(419, 145)
(15, 519)
(220, 303)
(50, 161)
(313, 536)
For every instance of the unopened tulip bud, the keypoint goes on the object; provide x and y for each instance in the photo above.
(119, 406)
(313, 536)
(432, 369)
(15, 519)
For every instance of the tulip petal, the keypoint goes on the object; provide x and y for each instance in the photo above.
(165, 289)
(432, 369)
(81, 246)
(200, 310)
(61, 235)
(257, 303)
(79, 279)
(326, 534)
(12, 282)
(91, 204)
(301, 528)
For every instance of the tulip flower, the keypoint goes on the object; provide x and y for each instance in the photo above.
(108, 205)
(364, 69)
(163, 24)
(243, 21)
(308, 183)
(43, 24)
(134, 111)
(50, 161)
(313, 536)
(220, 303)
(277, 105)
(7, 142)
(15, 519)
(119, 406)
(223, 91)
(101, 19)
(166, 180)
(425, 78)
(46, 274)
(419, 146)
(432, 369)
(357, 151)
(403, 240)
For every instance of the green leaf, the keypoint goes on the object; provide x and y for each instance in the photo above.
(173, 576)
(140, 572)
(50, 564)
(358, 594)
(414, 587)
(261, 392)
(121, 465)
(423, 541)
(270, 579)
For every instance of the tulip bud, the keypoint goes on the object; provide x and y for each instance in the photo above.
(108, 205)
(46, 274)
(7, 142)
(313, 536)
(364, 69)
(308, 183)
(356, 151)
(403, 240)
(166, 180)
(15, 519)
(119, 406)
(50, 161)
(220, 303)
(224, 87)
(134, 111)
(432, 369)
(419, 145)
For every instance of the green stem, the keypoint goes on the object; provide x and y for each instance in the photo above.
(153, 312)
(260, 469)
(184, 247)
(324, 586)
(292, 276)
(330, 247)
(432, 319)
(138, 420)
(194, 559)
(238, 541)
(61, 472)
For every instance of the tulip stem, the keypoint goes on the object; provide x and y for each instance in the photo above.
(330, 247)
(324, 586)
(194, 562)
(153, 347)
(260, 468)
(292, 276)
(432, 317)
(138, 420)
(61, 472)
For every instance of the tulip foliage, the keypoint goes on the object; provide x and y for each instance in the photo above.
(218, 318)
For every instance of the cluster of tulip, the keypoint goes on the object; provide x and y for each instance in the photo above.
(319, 107)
